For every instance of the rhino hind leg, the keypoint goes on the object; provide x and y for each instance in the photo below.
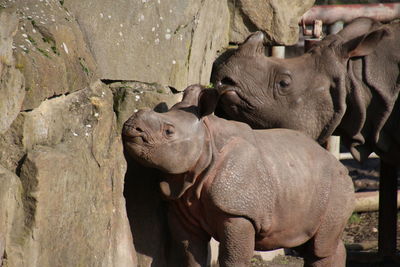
(326, 247)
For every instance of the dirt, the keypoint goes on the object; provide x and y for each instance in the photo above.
(363, 227)
(278, 261)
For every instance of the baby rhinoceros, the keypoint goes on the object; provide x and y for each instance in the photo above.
(249, 189)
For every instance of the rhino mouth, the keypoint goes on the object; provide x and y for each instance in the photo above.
(132, 135)
(232, 101)
(135, 140)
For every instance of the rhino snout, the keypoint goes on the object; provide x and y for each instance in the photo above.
(231, 97)
(134, 134)
(234, 100)
(139, 127)
(133, 131)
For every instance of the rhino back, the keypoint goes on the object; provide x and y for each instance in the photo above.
(275, 177)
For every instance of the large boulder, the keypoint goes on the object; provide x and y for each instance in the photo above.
(169, 42)
(72, 185)
(49, 50)
(11, 216)
(12, 88)
(279, 19)
(129, 97)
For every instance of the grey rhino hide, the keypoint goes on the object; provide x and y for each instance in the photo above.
(347, 84)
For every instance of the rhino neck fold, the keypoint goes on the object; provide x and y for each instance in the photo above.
(202, 169)
(206, 167)
(339, 93)
(369, 105)
(189, 184)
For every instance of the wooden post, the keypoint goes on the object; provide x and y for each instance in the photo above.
(387, 224)
(369, 201)
(333, 146)
(278, 51)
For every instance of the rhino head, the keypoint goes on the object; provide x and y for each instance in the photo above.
(174, 142)
(307, 93)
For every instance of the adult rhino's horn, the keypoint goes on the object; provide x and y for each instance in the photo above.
(253, 45)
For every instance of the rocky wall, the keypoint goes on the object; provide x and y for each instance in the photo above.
(171, 42)
(68, 196)
(49, 50)
(71, 177)
(61, 160)
(279, 19)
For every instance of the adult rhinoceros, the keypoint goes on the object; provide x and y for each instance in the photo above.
(348, 84)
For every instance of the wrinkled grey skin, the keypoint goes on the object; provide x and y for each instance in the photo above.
(347, 84)
(249, 189)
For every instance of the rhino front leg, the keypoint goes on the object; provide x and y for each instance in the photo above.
(236, 246)
(338, 259)
(190, 243)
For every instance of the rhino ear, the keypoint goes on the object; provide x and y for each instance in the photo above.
(208, 99)
(364, 45)
(190, 97)
(253, 45)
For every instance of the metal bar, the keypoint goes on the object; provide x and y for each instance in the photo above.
(387, 224)
(329, 14)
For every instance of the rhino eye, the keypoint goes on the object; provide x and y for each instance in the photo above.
(283, 83)
(228, 81)
(169, 130)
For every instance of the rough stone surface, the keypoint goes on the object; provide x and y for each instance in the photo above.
(145, 208)
(72, 180)
(49, 50)
(277, 18)
(147, 215)
(11, 215)
(132, 96)
(11, 148)
(169, 42)
(11, 80)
